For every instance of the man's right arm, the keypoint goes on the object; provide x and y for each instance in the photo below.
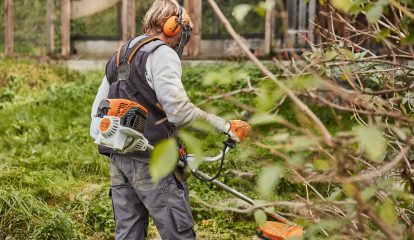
(164, 76)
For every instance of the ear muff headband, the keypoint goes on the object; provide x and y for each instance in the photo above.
(173, 24)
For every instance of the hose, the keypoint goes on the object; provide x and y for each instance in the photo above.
(228, 143)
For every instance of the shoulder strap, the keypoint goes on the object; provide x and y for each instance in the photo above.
(122, 56)
(122, 51)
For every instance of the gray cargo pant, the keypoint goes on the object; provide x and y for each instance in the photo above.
(135, 196)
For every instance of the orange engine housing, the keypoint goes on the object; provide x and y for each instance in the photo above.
(130, 114)
(118, 107)
(280, 231)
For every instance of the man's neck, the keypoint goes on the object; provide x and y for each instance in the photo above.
(160, 36)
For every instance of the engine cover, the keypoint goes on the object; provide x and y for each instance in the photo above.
(122, 125)
(122, 139)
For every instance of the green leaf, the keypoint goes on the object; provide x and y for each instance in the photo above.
(342, 5)
(329, 55)
(240, 11)
(409, 39)
(387, 212)
(260, 217)
(263, 7)
(163, 159)
(336, 195)
(268, 180)
(347, 53)
(373, 142)
(280, 137)
(314, 230)
(384, 33)
(297, 159)
(368, 193)
(265, 119)
(349, 189)
(202, 126)
(321, 164)
(267, 95)
(193, 146)
(374, 13)
(300, 143)
(304, 83)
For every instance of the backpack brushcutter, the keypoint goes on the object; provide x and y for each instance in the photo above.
(122, 127)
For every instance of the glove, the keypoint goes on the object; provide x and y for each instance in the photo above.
(238, 130)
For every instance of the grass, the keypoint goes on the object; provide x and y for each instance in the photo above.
(54, 184)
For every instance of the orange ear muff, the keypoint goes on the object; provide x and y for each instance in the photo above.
(171, 26)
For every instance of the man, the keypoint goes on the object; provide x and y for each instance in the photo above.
(152, 77)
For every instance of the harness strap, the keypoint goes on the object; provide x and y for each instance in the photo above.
(128, 59)
(145, 41)
(122, 57)
(121, 53)
(118, 56)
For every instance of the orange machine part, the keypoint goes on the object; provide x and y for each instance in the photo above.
(280, 231)
(118, 107)
(104, 125)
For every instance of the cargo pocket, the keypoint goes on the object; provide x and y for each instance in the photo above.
(124, 201)
(180, 208)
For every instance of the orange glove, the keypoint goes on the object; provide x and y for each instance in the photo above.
(238, 130)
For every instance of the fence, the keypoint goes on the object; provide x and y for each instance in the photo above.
(67, 26)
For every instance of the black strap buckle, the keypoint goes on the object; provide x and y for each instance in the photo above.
(124, 70)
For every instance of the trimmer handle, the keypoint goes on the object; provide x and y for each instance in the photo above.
(230, 143)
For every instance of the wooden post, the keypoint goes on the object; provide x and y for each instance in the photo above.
(292, 9)
(65, 28)
(128, 19)
(132, 18)
(8, 27)
(321, 20)
(270, 13)
(50, 29)
(195, 10)
(312, 20)
(302, 22)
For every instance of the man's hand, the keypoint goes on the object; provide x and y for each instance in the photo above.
(238, 130)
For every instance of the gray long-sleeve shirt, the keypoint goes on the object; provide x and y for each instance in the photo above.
(163, 73)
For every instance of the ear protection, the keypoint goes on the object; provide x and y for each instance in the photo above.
(173, 24)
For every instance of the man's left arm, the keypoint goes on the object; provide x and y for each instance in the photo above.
(100, 95)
